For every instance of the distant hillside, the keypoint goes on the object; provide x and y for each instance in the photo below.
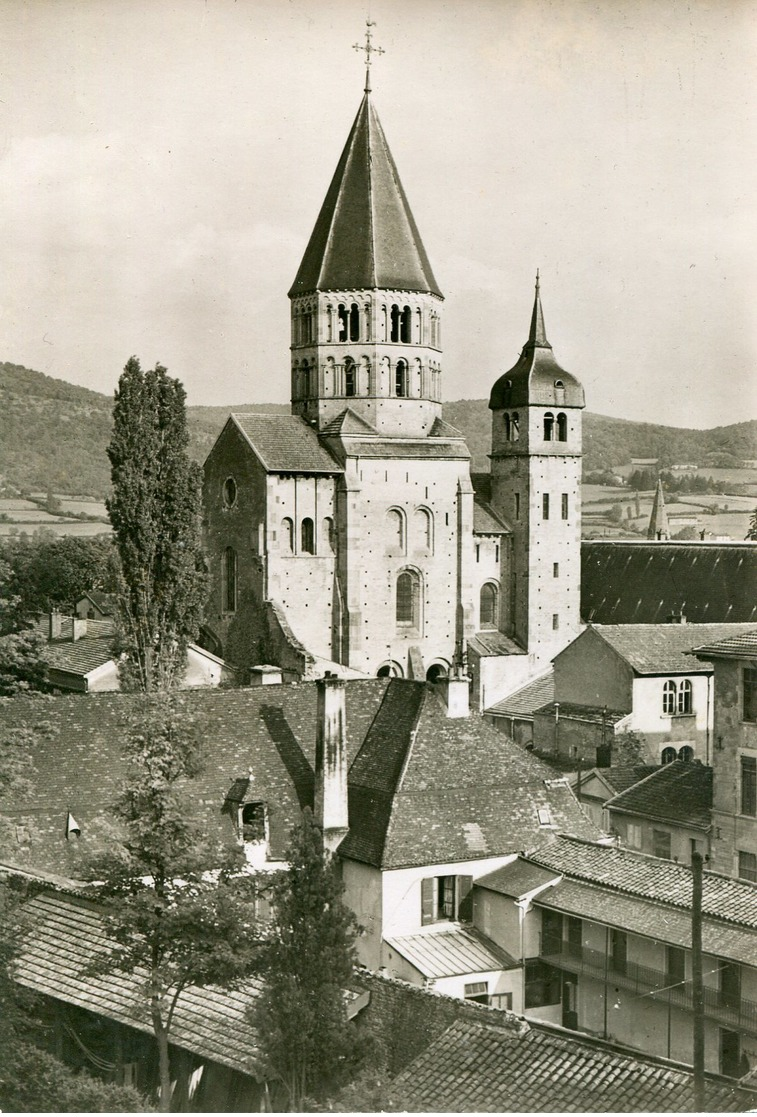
(53, 435)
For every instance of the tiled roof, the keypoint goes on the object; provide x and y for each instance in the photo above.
(478, 1067)
(67, 933)
(522, 703)
(348, 422)
(408, 449)
(106, 602)
(517, 879)
(486, 521)
(494, 643)
(596, 715)
(737, 647)
(653, 878)
(449, 953)
(680, 792)
(270, 729)
(81, 656)
(626, 582)
(440, 429)
(622, 776)
(443, 810)
(285, 443)
(95, 629)
(655, 649)
(365, 235)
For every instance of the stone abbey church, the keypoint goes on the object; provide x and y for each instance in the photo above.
(351, 531)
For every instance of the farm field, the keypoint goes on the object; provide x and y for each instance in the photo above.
(61, 527)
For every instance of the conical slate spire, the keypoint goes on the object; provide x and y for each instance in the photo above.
(658, 521)
(537, 334)
(365, 235)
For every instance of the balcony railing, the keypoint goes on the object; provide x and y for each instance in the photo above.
(645, 981)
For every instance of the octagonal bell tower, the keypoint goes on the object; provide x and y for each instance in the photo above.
(536, 487)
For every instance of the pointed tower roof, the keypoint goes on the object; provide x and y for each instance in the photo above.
(365, 235)
(536, 377)
(659, 527)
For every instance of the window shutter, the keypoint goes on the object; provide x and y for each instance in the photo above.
(427, 900)
(464, 889)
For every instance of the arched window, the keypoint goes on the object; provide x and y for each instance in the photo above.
(350, 377)
(229, 492)
(562, 427)
(668, 756)
(424, 529)
(514, 427)
(307, 537)
(383, 321)
(354, 322)
(400, 379)
(686, 753)
(406, 324)
(487, 612)
(408, 607)
(549, 426)
(328, 533)
(389, 670)
(669, 698)
(343, 323)
(684, 697)
(436, 672)
(418, 326)
(396, 523)
(506, 419)
(229, 580)
(287, 535)
(507, 389)
(394, 333)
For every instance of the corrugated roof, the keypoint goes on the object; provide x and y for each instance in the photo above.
(448, 953)
(679, 792)
(629, 582)
(650, 877)
(522, 703)
(365, 235)
(285, 443)
(660, 649)
(67, 933)
(477, 1067)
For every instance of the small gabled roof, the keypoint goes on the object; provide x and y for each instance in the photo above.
(661, 649)
(524, 702)
(486, 521)
(477, 1066)
(284, 443)
(678, 793)
(365, 235)
(348, 422)
(743, 646)
(640, 582)
(79, 657)
(451, 952)
(616, 778)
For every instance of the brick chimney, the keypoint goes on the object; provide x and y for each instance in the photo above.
(331, 761)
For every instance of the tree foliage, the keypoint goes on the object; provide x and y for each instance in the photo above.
(46, 574)
(307, 1045)
(752, 531)
(21, 665)
(181, 911)
(155, 509)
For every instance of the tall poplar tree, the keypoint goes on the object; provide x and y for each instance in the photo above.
(155, 512)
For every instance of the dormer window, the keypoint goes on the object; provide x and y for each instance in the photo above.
(545, 816)
(252, 822)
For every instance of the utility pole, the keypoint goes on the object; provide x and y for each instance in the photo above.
(697, 983)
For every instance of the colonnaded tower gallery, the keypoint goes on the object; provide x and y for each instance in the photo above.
(350, 531)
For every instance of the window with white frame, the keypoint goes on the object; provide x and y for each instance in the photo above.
(669, 697)
(477, 991)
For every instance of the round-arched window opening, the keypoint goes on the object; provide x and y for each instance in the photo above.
(559, 384)
(390, 670)
(436, 672)
(229, 492)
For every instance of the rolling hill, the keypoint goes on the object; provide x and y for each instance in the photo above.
(53, 435)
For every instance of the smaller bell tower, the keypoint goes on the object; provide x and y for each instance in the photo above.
(536, 487)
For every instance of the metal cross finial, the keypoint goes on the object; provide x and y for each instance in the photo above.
(369, 49)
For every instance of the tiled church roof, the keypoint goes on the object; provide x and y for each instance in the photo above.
(365, 235)
(284, 443)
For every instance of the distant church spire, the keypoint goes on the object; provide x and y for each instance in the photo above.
(538, 334)
(658, 521)
(369, 50)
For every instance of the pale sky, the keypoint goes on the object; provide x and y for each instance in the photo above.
(163, 163)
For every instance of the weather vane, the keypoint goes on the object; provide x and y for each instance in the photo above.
(369, 49)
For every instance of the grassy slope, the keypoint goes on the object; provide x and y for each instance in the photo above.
(53, 434)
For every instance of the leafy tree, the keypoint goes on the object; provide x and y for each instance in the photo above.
(21, 664)
(181, 907)
(307, 1045)
(627, 748)
(752, 532)
(155, 512)
(54, 573)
